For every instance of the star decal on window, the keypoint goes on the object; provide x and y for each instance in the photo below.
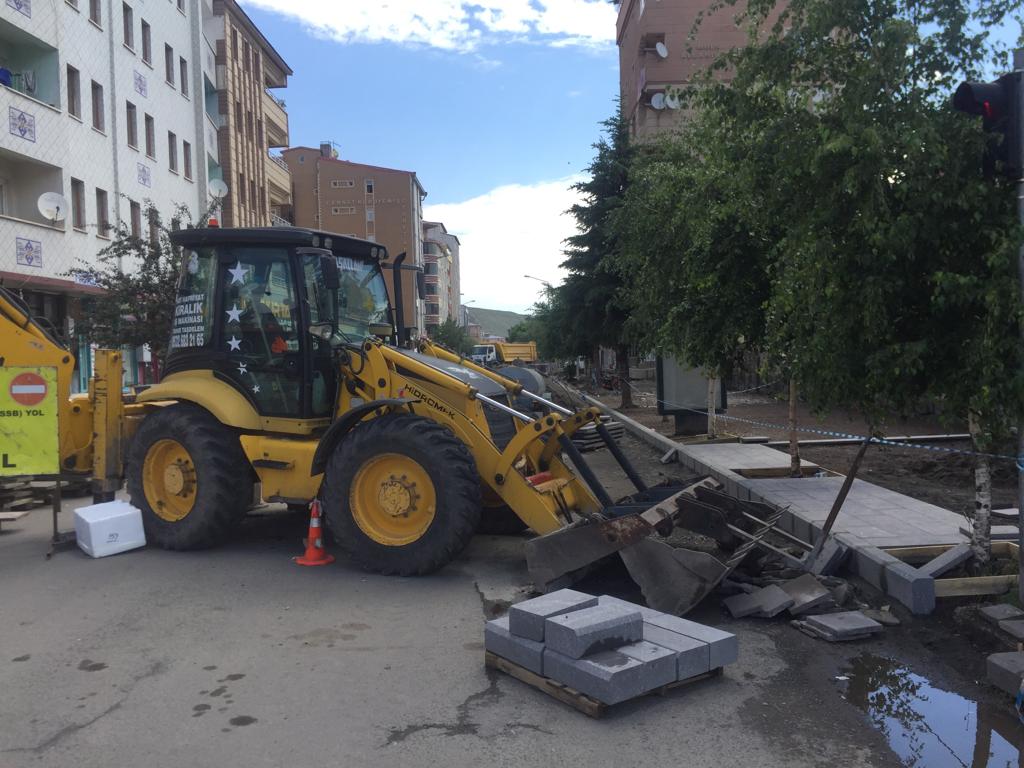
(235, 344)
(238, 273)
(234, 314)
(242, 370)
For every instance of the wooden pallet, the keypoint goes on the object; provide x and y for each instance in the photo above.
(581, 702)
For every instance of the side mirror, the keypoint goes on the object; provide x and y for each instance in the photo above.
(329, 269)
(381, 329)
(321, 330)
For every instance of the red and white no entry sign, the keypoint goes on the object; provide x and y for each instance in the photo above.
(28, 388)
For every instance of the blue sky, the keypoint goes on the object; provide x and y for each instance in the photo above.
(494, 105)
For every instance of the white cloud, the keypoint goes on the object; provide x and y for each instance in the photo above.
(454, 25)
(511, 231)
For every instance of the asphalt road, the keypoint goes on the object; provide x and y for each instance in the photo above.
(238, 657)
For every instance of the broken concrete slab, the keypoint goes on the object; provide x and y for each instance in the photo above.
(526, 619)
(693, 657)
(1000, 612)
(808, 594)
(519, 650)
(764, 603)
(831, 557)
(1005, 670)
(947, 561)
(1013, 627)
(723, 646)
(608, 676)
(844, 625)
(883, 617)
(593, 629)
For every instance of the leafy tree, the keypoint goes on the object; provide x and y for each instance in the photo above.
(454, 336)
(139, 278)
(596, 306)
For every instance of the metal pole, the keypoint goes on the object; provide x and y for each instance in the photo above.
(1018, 65)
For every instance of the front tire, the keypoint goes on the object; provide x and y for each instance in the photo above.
(187, 473)
(401, 495)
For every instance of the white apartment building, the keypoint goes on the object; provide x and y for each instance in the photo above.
(441, 275)
(108, 103)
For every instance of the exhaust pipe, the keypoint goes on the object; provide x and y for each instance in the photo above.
(401, 333)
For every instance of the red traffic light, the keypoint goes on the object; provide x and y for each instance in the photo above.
(999, 104)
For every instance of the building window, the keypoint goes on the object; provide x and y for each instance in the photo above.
(74, 93)
(186, 158)
(256, 63)
(370, 214)
(430, 289)
(133, 125)
(129, 25)
(433, 309)
(181, 5)
(94, 12)
(238, 115)
(102, 212)
(150, 137)
(147, 43)
(369, 186)
(343, 210)
(234, 44)
(252, 193)
(241, 189)
(248, 123)
(172, 151)
(245, 57)
(136, 218)
(169, 64)
(342, 183)
(259, 134)
(78, 204)
(183, 68)
(97, 106)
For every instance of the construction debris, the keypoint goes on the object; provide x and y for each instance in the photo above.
(838, 627)
(808, 595)
(1005, 671)
(592, 655)
(999, 612)
(764, 603)
(589, 439)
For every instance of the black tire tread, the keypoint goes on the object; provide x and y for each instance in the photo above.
(453, 466)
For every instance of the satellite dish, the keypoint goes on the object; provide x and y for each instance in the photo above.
(218, 188)
(672, 101)
(658, 101)
(661, 49)
(52, 206)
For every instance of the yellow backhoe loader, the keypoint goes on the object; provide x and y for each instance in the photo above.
(287, 366)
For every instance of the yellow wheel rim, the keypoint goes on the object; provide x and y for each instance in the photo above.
(169, 480)
(392, 499)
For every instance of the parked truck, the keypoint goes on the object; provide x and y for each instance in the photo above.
(499, 352)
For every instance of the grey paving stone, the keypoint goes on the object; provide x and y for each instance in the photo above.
(909, 586)
(1013, 627)
(723, 647)
(608, 676)
(997, 532)
(692, 657)
(831, 557)
(1005, 670)
(589, 630)
(808, 594)
(526, 619)
(947, 561)
(764, 603)
(661, 660)
(1000, 612)
(843, 625)
(519, 650)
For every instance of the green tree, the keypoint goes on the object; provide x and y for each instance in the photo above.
(139, 278)
(452, 335)
(592, 295)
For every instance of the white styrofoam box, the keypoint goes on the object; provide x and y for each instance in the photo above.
(109, 528)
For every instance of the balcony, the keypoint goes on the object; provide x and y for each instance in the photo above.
(277, 121)
(279, 181)
(34, 65)
(22, 180)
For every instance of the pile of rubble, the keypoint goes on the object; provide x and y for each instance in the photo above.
(604, 647)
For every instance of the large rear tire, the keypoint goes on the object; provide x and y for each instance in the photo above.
(188, 474)
(401, 495)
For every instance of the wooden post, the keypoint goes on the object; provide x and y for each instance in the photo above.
(712, 402)
(844, 491)
(794, 443)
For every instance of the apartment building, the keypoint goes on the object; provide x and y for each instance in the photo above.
(656, 53)
(250, 119)
(108, 104)
(367, 201)
(441, 275)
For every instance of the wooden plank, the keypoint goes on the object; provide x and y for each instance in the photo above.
(10, 517)
(975, 585)
(579, 701)
(924, 554)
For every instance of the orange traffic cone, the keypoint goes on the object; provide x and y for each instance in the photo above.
(315, 553)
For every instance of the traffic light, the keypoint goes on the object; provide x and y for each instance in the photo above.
(1001, 106)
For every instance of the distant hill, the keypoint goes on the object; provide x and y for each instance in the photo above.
(495, 322)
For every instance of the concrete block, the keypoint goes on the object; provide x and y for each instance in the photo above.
(1005, 670)
(608, 676)
(1000, 612)
(594, 629)
(724, 647)
(808, 594)
(831, 557)
(764, 603)
(911, 587)
(844, 625)
(519, 650)
(526, 619)
(692, 657)
(661, 660)
(1013, 627)
(947, 561)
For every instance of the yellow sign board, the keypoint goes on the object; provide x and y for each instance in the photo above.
(28, 422)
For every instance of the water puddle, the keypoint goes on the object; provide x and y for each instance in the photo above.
(928, 726)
